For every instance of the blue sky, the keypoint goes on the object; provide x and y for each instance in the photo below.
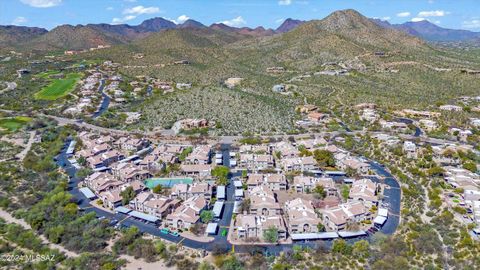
(457, 14)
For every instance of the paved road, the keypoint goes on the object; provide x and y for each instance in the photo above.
(105, 100)
(231, 139)
(408, 121)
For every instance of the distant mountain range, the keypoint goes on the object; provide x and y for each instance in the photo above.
(431, 32)
(68, 37)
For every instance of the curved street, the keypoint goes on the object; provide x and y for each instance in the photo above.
(392, 200)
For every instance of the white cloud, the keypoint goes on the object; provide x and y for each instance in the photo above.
(235, 22)
(471, 24)
(386, 18)
(433, 13)
(123, 19)
(281, 20)
(138, 10)
(109, 8)
(418, 19)
(134, 12)
(181, 19)
(19, 20)
(403, 14)
(42, 3)
(285, 2)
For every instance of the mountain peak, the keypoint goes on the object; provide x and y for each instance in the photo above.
(191, 24)
(289, 24)
(156, 24)
(346, 19)
(222, 26)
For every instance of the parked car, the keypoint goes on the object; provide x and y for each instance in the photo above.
(113, 222)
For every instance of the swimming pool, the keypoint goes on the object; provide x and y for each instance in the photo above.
(167, 182)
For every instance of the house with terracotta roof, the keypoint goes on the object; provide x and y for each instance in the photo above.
(131, 144)
(298, 164)
(337, 218)
(187, 214)
(255, 162)
(100, 148)
(344, 161)
(111, 198)
(301, 216)
(317, 117)
(254, 149)
(200, 155)
(105, 159)
(274, 182)
(138, 203)
(196, 170)
(302, 184)
(99, 182)
(153, 163)
(364, 190)
(263, 202)
(161, 206)
(311, 144)
(128, 172)
(186, 191)
(254, 227)
(286, 149)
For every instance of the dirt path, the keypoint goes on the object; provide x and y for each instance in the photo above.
(24, 152)
(133, 263)
(10, 219)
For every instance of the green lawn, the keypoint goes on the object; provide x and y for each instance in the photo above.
(13, 124)
(44, 75)
(59, 87)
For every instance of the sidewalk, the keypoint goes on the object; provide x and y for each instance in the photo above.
(198, 238)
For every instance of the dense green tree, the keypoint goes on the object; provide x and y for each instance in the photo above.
(320, 191)
(270, 235)
(127, 195)
(470, 165)
(221, 174)
(324, 158)
(340, 246)
(158, 189)
(206, 216)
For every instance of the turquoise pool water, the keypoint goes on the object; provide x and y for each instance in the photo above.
(167, 182)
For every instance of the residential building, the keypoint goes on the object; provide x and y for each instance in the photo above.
(187, 214)
(199, 155)
(303, 184)
(274, 182)
(263, 202)
(298, 164)
(254, 227)
(410, 149)
(337, 218)
(364, 190)
(301, 216)
(196, 170)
